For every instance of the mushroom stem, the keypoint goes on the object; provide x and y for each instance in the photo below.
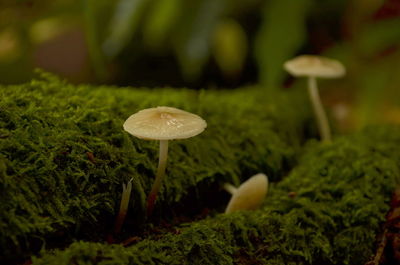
(162, 163)
(322, 120)
(230, 188)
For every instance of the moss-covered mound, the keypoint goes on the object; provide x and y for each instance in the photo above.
(64, 155)
(327, 211)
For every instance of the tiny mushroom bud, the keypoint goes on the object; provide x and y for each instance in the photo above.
(312, 67)
(163, 124)
(123, 209)
(249, 195)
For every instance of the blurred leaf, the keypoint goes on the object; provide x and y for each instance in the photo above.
(282, 33)
(10, 46)
(192, 40)
(230, 47)
(123, 25)
(360, 11)
(378, 84)
(238, 7)
(365, 8)
(91, 9)
(379, 36)
(372, 83)
(46, 29)
(160, 21)
(16, 69)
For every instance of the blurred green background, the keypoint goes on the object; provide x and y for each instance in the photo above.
(209, 44)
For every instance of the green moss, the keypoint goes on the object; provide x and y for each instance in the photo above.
(342, 194)
(52, 191)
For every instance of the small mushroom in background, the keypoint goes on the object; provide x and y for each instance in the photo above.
(249, 195)
(312, 67)
(123, 209)
(163, 124)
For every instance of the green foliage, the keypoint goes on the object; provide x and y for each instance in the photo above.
(371, 97)
(282, 33)
(342, 194)
(160, 21)
(123, 25)
(51, 188)
(125, 39)
(372, 57)
(380, 36)
(192, 43)
(93, 18)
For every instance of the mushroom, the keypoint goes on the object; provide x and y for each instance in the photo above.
(249, 195)
(123, 209)
(163, 124)
(312, 67)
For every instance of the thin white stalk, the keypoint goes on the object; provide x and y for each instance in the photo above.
(230, 188)
(319, 111)
(162, 164)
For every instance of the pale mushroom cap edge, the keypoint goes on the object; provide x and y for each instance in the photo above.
(164, 123)
(249, 195)
(317, 66)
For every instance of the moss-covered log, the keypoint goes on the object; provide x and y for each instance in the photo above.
(327, 211)
(64, 155)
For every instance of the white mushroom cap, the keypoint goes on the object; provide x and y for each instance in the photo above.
(164, 123)
(249, 195)
(317, 66)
